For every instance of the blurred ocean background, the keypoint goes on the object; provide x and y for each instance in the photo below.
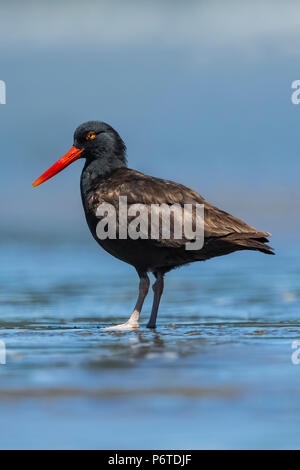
(201, 93)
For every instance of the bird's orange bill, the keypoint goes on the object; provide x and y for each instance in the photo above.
(62, 163)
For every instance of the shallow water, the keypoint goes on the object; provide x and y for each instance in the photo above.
(217, 372)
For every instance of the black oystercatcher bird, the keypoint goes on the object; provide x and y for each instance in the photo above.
(105, 177)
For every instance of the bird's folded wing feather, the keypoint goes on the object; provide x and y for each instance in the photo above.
(147, 190)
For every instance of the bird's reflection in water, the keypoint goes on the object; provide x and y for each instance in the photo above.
(149, 342)
(143, 345)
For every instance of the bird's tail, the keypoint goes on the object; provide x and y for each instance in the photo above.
(252, 241)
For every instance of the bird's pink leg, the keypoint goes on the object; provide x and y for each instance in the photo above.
(133, 321)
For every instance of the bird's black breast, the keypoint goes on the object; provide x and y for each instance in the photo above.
(143, 254)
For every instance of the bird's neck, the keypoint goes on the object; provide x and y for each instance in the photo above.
(99, 168)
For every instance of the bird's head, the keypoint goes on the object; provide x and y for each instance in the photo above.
(93, 140)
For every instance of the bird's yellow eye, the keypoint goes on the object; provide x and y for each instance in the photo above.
(90, 136)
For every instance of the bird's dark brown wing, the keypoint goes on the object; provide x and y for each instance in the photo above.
(143, 189)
